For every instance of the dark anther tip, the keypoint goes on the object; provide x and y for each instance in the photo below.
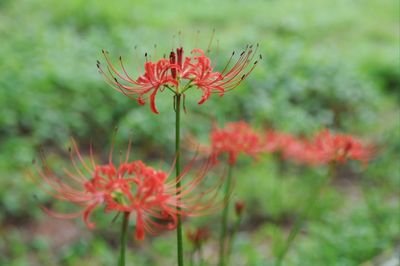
(261, 57)
(120, 57)
(145, 54)
(233, 53)
(69, 149)
(244, 75)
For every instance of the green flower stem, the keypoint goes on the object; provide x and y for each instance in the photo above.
(201, 257)
(123, 238)
(305, 213)
(232, 238)
(178, 172)
(224, 220)
(192, 256)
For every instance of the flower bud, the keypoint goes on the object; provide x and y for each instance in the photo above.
(239, 207)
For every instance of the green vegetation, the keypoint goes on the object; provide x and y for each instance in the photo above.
(325, 64)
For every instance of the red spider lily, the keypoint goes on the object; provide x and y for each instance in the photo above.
(131, 188)
(340, 148)
(156, 76)
(324, 148)
(180, 72)
(220, 82)
(234, 139)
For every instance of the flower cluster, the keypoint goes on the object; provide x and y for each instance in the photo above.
(240, 138)
(132, 188)
(324, 148)
(178, 74)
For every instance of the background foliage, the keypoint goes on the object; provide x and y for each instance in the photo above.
(326, 64)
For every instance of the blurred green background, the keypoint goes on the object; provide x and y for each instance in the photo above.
(326, 64)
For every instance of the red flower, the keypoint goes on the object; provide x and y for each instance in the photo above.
(156, 76)
(234, 139)
(340, 148)
(210, 81)
(179, 72)
(132, 188)
(324, 148)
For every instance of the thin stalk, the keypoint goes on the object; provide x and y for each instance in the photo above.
(123, 237)
(224, 220)
(232, 238)
(305, 213)
(192, 256)
(201, 257)
(178, 172)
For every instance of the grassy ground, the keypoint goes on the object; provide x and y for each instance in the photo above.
(319, 56)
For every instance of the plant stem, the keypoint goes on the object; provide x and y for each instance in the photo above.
(178, 172)
(232, 238)
(304, 214)
(123, 238)
(201, 258)
(224, 220)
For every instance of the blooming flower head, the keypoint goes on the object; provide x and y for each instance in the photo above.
(235, 139)
(340, 148)
(130, 187)
(178, 74)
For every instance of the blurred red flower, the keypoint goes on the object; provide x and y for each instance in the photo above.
(234, 139)
(340, 148)
(323, 148)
